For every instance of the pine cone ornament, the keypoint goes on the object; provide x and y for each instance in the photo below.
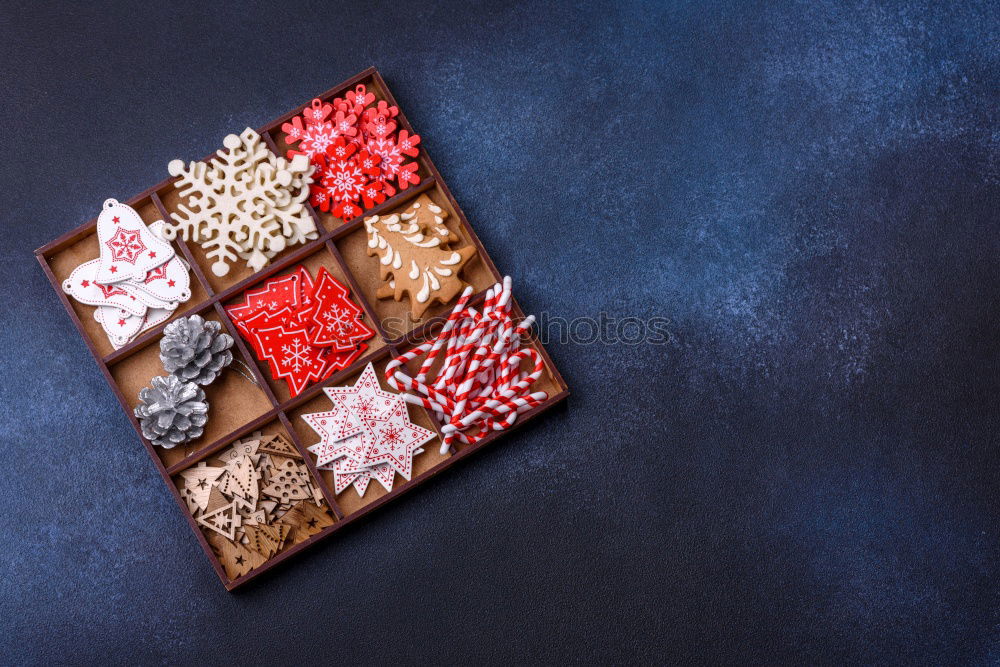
(194, 350)
(172, 411)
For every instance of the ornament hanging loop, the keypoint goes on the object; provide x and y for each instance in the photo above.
(248, 374)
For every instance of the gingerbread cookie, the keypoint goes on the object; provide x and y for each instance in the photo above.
(415, 255)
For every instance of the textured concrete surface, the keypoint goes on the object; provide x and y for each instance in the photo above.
(805, 471)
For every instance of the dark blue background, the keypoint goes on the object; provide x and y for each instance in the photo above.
(806, 471)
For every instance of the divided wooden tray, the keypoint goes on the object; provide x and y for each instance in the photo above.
(239, 407)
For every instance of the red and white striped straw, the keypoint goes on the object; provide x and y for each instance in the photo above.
(478, 386)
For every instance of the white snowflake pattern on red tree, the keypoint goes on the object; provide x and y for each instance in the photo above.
(338, 320)
(296, 355)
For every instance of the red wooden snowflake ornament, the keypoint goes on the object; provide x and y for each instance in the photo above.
(360, 157)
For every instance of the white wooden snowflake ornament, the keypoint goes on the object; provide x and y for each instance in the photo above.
(245, 203)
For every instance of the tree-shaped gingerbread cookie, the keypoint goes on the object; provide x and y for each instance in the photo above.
(415, 255)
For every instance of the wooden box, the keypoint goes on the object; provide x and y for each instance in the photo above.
(240, 407)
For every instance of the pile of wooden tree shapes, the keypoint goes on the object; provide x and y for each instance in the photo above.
(254, 500)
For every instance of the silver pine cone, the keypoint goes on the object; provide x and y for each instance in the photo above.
(194, 349)
(171, 411)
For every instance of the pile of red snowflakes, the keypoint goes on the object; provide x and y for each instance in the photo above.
(360, 158)
(304, 329)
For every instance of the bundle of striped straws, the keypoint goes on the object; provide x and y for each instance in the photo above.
(479, 385)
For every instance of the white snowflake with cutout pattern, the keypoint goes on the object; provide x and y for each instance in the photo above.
(338, 320)
(246, 202)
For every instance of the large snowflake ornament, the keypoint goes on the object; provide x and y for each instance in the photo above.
(246, 202)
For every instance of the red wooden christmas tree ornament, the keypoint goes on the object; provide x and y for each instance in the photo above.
(304, 329)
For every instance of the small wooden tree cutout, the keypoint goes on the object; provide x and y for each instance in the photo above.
(240, 479)
(236, 559)
(262, 539)
(223, 520)
(288, 483)
(305, 520)
(278, 444)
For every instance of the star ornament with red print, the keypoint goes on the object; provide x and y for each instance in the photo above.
(394, 441)
(364, 399)
(332, 445)
(367, 435)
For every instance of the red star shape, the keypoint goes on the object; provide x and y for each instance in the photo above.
(171, 283)
(85, 283)
(114, 269)
(152, 254)
(115, 219)
(121, 323)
